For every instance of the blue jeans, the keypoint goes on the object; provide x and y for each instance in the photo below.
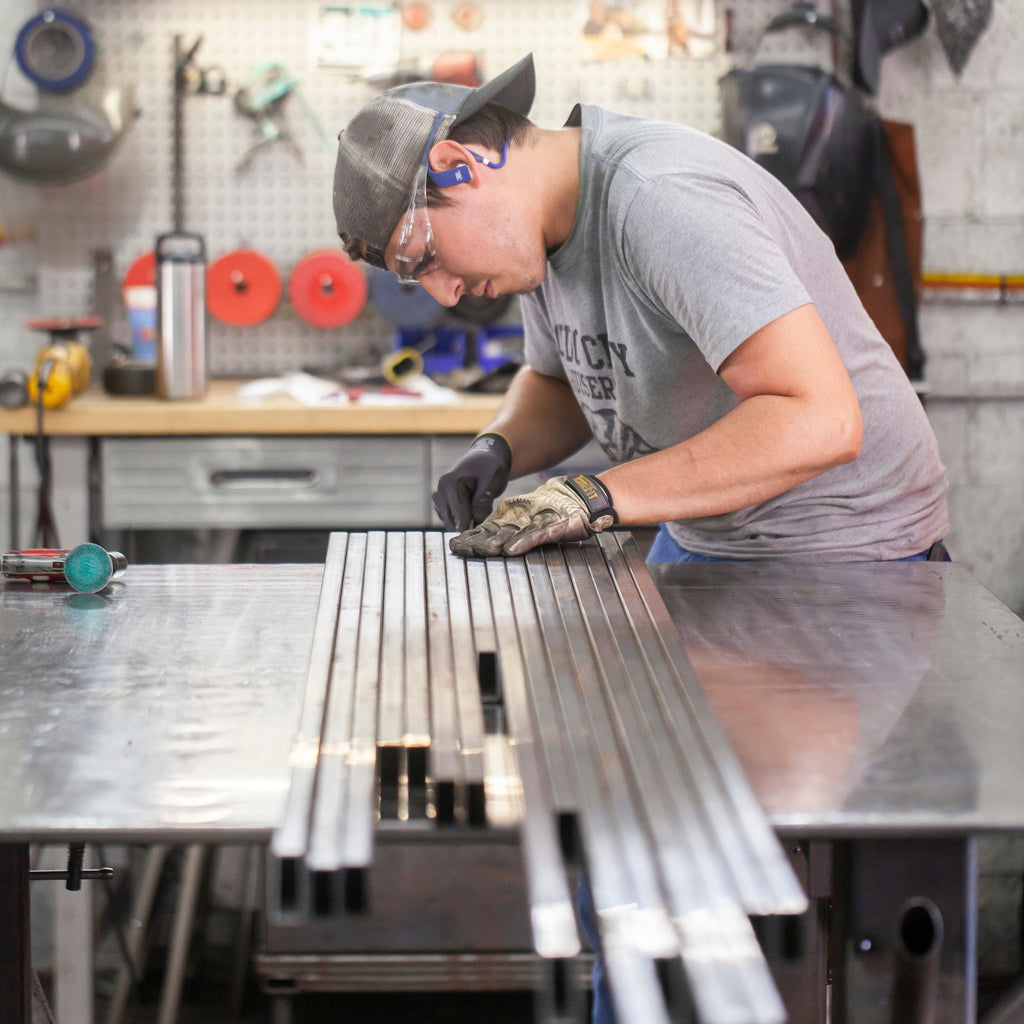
(663, 549)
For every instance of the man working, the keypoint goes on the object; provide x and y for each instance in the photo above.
(679, 305)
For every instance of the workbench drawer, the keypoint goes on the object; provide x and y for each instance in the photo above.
(264, 482)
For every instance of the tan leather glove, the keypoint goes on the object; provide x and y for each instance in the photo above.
(565, 508)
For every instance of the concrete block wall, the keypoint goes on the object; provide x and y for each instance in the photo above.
(970, 141)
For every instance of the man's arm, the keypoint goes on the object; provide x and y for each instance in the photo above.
(541, 420)
(798, 416)
(538, 425)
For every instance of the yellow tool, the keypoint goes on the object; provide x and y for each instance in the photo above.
(62, 367)
(61, 370)
(402, 365)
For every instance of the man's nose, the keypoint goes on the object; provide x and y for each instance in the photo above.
(442, 286)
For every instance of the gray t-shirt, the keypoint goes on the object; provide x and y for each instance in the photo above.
(682, 248)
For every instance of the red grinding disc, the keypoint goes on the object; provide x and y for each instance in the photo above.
(243, 288)
(327, 289)
(142, 271)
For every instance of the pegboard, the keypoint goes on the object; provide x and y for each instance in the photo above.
(281, 205)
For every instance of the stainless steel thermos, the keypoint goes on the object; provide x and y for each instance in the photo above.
(181, 357)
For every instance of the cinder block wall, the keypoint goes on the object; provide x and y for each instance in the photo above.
(970, 141)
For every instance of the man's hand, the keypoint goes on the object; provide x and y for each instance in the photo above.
(466, 493)
(565, 508)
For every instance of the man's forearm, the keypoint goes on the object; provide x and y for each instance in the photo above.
(765, 446)
(541, 420)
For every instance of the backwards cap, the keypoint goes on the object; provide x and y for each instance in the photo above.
(384, 145)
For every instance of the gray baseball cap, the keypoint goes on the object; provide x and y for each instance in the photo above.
(384, 145)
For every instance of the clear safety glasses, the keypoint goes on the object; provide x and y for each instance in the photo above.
(416, 251)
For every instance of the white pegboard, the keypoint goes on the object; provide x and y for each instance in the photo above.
(282, 206)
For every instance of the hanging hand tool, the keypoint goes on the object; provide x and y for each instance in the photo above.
(263, 101)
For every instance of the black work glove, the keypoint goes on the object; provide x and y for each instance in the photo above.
(565, 508)
(466, 493)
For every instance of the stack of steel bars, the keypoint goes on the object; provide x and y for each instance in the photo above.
(622, 767)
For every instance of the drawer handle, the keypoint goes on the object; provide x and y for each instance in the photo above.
(239, 479)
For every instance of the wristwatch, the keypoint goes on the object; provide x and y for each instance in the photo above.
(595, 496)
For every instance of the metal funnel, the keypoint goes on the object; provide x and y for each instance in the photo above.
(63, 142)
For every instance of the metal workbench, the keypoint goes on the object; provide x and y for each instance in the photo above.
(875, 709)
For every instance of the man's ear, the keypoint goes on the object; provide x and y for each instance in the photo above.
(450, 163)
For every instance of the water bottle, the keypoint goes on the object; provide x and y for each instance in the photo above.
(181, 316)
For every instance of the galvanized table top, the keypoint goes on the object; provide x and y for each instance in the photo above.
(860, 699)
(162, 707)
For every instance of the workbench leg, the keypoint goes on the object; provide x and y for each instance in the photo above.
(142, 908)
(181, 933)
(73, 956)
(15, 936)
(905, 915)
(797, 946)
(253, 858)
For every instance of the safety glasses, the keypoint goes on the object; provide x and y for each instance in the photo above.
(416, 251)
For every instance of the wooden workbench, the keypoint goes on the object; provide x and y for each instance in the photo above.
(97, 414)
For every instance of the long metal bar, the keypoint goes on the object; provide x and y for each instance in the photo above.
(551, 905)
(416, 736)
(292, 837)
(603, 725)
(361, 776)
(391, 707)
(445, 761)
(563, 772)
(329, 812)
(612, 802)
(765, 879)
(469, 708)
(723, 973)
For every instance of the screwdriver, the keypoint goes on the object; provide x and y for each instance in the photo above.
(87, 568)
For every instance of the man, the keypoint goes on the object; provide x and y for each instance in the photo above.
(679, 305)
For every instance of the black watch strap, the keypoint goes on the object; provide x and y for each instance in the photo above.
(595, 496)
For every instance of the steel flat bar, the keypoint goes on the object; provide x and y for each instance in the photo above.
(609, 815)
(672, 808)
(417, 699)
(729, 974)
(634, 983)
(547, 658)
(485, 644)
(551, 906)
(291, 839)
(391, 705)
(729, 979)
(329, 812)
(416, 734)
(361, 775)
(469, 707)
(562, 770)
(766, 881)
(390, 722)
(445, 761)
